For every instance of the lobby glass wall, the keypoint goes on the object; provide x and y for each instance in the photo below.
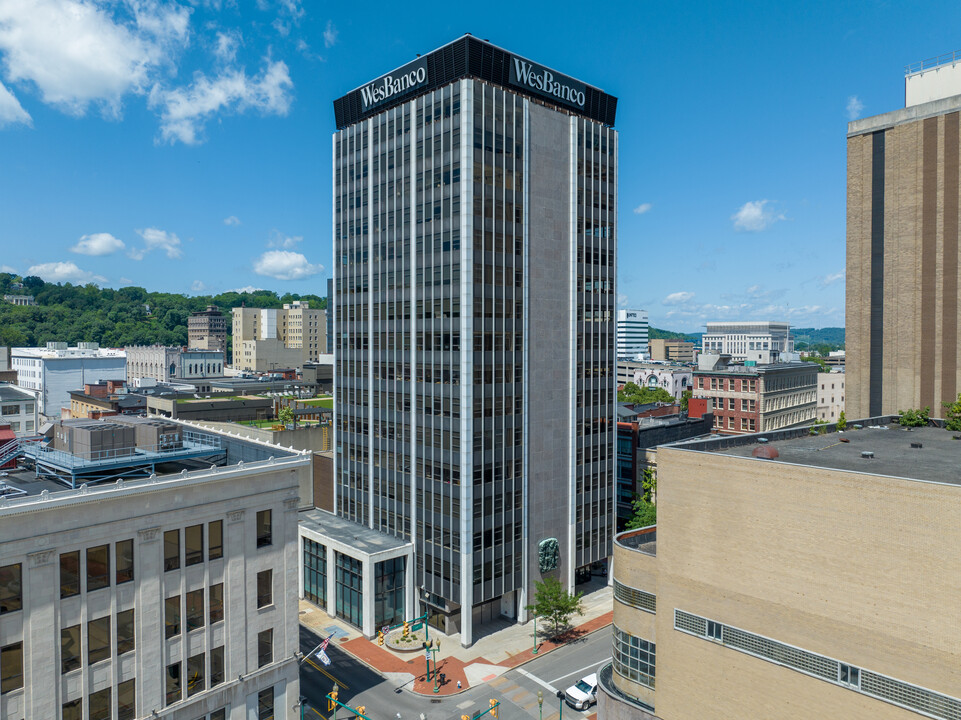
(349, 581)
(389, 592)
(315, 572)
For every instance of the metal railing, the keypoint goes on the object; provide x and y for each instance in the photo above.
(192, 442)
(932, 62)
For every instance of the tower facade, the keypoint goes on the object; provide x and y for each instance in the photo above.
(475, 199)
(903, 339)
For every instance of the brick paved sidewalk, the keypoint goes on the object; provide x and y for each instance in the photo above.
(453, 668)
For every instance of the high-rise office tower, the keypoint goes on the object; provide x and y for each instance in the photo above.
(475, 204)
(903, 289)
(631, 334)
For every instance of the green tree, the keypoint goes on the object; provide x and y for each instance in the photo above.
(952, 417)
(634, 393)
(842, 422)
(817, 360)
(685, 396)
(555, 604)
(645, 514)
(914, 418)
(286, 415)
(819, 427)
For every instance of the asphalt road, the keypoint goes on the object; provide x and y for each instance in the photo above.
(391, 699)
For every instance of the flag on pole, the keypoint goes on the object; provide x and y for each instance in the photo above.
(320, 651)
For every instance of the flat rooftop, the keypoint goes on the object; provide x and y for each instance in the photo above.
(359, 537)
(937, 460)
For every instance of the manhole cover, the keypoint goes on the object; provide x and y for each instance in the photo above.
(434, 701)
(343, 639)
(303, 612)
(410, 662)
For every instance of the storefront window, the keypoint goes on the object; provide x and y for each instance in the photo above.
(349, 581)
(389, 592)
(315, 572)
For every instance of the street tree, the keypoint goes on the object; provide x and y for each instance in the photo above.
(555, 604)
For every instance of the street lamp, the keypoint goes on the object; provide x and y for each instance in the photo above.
(560, 696)
(540, 704)
(333, 694)
(534, 651)
(300, 704)
(435, 650)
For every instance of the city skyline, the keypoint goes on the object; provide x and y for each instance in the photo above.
(190, 151)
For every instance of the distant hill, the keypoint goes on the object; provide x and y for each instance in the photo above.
(808, 337)
(114, 318)
(804, 338)
(657, 334)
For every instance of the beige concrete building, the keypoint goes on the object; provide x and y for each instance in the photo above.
(903, 290)
(268, 338)
(820, 583)
(672, 350)
(207, 330)
(830, 396)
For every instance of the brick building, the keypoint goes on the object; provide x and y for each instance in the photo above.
(757, 398)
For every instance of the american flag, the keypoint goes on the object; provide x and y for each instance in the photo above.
(319, 650)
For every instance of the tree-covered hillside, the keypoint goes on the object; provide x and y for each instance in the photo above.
(657, 334)
(821, 339)
(114, 318)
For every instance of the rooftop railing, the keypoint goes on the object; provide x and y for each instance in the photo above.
(934, 62)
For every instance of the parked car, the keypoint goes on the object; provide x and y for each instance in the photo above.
(583, 694)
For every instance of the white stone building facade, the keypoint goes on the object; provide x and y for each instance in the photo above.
(186, 611)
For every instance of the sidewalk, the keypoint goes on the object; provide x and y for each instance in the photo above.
(488, 658)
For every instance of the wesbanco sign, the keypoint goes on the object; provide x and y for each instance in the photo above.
(541, 81)
(411, 76)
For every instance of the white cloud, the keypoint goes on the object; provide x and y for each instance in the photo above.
(197, 286)
(226, 45)
(285, 265)
(677, 298)
(11, 111)
(155, 239)
(125, 281)
(642, 208)
(831, 279)
(279, 240)
(854, 107)
(64, 272)
(330, 34)
(7, 269)
(184, 112)
(754, 216)
(98, 244)
(622, 300)
(245, 289)
(232, 220)
(76, 54)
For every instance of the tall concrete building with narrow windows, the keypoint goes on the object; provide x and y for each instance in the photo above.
(631, 334)
(903, 289)
(474, 225)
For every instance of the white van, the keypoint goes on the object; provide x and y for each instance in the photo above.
(584, 694)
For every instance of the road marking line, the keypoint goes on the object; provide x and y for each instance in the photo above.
(536, 679)
(578, 672)
(317, 667)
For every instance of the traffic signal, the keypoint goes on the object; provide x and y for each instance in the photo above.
(331, 704)
(380, 638)
(493, 708)
(361, 709)
(406, 628)
(465, 717)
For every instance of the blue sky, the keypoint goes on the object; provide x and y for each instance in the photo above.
(185, 147)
